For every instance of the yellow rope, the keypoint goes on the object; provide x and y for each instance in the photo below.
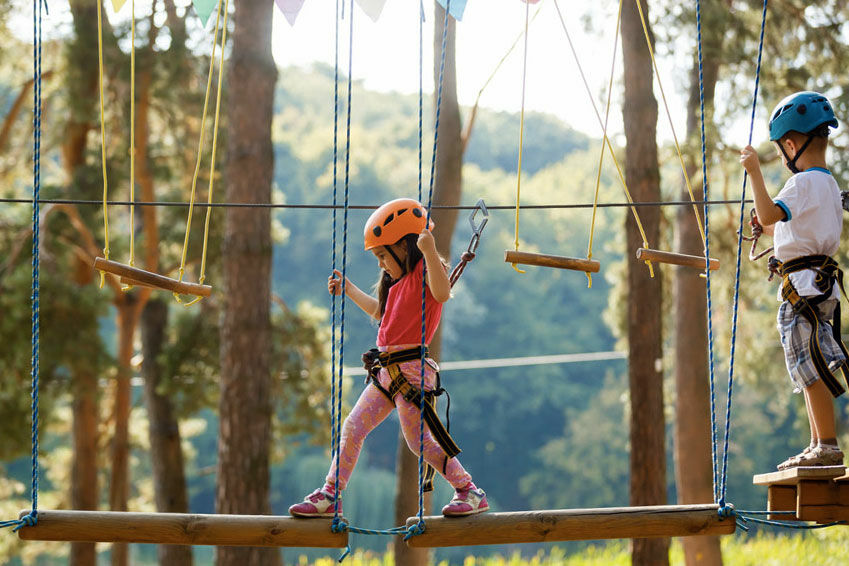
(606, 139)
(200, 153)
(102, 140)
(671, 126)
(521, 129)
(132, 131)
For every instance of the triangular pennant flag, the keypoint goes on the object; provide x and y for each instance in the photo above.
(372, 8)
(456, 9)
(204, 9)
(290, 9)
(118, 4)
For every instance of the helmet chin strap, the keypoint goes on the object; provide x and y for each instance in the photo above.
(791, 163)
(403, 266)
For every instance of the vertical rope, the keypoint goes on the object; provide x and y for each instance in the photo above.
(132, 131)
(521, 130)
(336, 519)
(711, 363)
(102, 139)
(424, 266)
(723, 484)
(421, 91)
(334, 448)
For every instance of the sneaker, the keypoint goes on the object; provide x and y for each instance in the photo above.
(469, 501)
(319, 503)
(823, 456)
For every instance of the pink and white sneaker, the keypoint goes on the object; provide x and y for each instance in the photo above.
(467, 501)
(319, 503)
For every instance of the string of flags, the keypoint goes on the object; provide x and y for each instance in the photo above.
(290, 8)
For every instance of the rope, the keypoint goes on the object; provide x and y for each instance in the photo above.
(521, 130)
(711, 362)
(669, 117)
(84, 202)
(102, 139)
(723, 484)
(200, 148)
(334, 444)
(132, 133)
(32, 517)
(631, 204)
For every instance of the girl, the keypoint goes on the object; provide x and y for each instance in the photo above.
(399, 236)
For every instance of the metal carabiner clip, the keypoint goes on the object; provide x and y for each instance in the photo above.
(477, 229)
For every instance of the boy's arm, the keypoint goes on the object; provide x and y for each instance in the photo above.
(768, 212)
(437, 278)
(366, 302)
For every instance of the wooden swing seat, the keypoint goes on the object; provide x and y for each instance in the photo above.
(544, 260)
(815, 493)
(183, 529)
(673, 258)
(572, 524)
(141, 278)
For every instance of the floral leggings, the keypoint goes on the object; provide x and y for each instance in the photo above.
(373, 407)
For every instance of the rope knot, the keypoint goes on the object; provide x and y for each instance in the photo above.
(29, 520)
(413, 530)
(726, 511)
(338, 525)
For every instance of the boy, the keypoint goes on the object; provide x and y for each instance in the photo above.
(805, 220)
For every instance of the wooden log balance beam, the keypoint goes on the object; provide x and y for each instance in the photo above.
(183, 529)
(572, 524)
(558, 261)
(696, 261)
(136, 276)
(807, 493)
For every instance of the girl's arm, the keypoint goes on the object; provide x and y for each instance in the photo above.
(437, 278)
(366, 302)
(767, 211)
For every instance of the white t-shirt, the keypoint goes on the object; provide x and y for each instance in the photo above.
(812, 203)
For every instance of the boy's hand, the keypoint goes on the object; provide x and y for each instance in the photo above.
(426, 242)
(749, 160)
(334, 283)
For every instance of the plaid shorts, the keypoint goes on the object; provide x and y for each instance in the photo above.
(795, 332)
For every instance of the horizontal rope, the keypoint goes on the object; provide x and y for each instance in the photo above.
(361, 206)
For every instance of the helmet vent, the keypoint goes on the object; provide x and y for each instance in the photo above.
(389, 219)
(801, 109)
(377, 231)
(417, 212)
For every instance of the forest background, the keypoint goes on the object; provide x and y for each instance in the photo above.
(535, 436)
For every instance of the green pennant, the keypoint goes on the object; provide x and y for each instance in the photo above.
(204, 9)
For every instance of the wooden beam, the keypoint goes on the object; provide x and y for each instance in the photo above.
(184, 529)
(146, 278)
(685, 260)
(558, 261)
(572, 524)
(793, 476)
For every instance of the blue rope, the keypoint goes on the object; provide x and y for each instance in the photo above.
(421, 524)
(32, 518)
(334, 451)
(711, 363)
(344, 262)
(724, 484)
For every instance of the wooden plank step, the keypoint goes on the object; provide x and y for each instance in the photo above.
(792, 476)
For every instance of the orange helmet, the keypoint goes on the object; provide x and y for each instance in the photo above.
(394, 220)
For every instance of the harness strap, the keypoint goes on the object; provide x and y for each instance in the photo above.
(828, 273)
(374, 360)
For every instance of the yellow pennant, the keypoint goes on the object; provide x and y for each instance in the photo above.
(118, 4)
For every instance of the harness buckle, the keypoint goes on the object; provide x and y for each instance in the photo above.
(477, 229)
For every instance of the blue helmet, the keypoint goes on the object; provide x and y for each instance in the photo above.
(801, 112)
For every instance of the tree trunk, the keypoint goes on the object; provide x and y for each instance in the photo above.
(693, 465)
(166, 453)
(245, 406)
(645, 375)
(446, 191)
(84, 494)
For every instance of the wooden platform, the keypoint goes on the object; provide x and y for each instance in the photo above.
(185, 529)
(817, 493)
(572, 524)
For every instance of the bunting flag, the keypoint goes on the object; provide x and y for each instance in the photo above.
(290, 9)
(203, 8)
(372, 8)
(457, 8)
(118, 4)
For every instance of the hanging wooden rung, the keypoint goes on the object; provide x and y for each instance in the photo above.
(544, 260)
(572, 524)
(140, 277)
(183, 529)
(807, 493)
(658, 256)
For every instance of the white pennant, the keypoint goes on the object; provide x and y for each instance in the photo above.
(290, 9)
(372, 8)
